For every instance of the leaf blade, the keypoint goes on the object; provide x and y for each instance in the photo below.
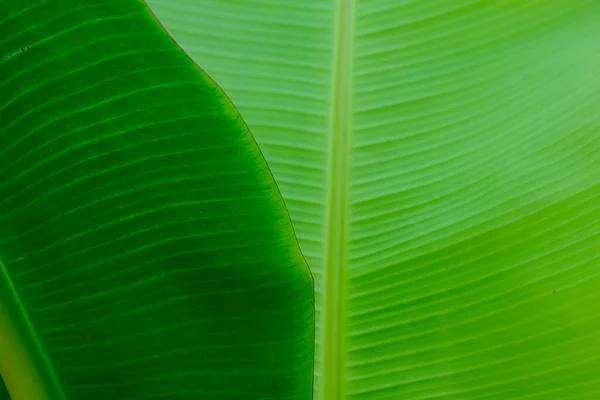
(469, 121)
(141, 227)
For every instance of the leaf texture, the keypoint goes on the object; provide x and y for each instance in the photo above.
(145, 251)
(440, 161)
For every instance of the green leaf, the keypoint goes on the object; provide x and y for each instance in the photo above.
(145, 251)
(441, 163)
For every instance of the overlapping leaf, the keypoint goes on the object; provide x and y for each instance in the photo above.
(145, 252)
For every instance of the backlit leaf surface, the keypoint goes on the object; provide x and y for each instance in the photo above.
(440, 161)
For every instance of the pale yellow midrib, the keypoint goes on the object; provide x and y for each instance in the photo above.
(17, 369)
(333, 379)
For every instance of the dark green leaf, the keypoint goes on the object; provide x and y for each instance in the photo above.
(145, 252)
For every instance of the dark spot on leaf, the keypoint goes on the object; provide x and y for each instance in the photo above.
(23, 50)
(43, 222)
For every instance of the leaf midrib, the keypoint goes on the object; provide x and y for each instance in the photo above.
(337, 187)
(23, 379)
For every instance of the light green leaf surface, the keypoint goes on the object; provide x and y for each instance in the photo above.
(145, 252)
(441, 163)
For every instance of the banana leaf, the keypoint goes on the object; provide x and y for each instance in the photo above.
(145, 251)
(441, 163)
